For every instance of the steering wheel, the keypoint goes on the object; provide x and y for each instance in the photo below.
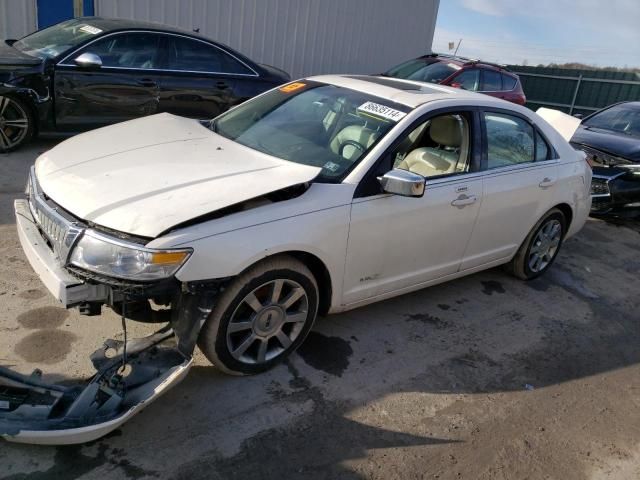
(353, 144)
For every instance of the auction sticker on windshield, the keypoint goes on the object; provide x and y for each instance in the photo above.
(381, 111)
(90, 29)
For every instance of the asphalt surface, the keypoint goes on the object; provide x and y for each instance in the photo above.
(485, 377)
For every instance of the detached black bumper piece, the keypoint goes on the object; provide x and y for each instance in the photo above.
(32, 411)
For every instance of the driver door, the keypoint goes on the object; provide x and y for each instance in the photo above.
(395, 242)
(126, 86)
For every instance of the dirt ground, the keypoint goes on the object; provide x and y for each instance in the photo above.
(486, 377)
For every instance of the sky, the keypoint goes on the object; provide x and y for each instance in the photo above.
(594, 32)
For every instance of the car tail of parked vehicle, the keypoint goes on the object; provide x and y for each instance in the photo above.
(469, 74)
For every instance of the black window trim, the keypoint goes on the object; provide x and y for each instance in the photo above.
(62, 63)
(476, 151)
(552, 154)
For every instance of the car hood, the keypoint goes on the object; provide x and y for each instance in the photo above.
(9, 56)
(145, 176)
(617, 144)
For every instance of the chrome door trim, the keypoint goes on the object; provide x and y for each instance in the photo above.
(62, 63)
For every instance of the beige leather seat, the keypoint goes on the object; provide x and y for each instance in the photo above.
(354, 133)
(447, 132)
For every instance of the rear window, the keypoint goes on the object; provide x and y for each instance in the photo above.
(492, 81)
(508, 82)
(430, 72)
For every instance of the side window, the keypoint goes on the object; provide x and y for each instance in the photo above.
(126, 50)
(508, 82)
(510, 140)
(492, 81)
(468, 79)
(439, 146)
(195, 56)
(542, 149)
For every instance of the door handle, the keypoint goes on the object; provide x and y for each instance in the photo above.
(222, 85)
(464, 200)
(546, 182)
(147, 82)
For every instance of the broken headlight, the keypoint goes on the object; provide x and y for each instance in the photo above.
(115, 258)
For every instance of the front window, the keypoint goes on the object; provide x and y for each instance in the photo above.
(620, 118)
(424, 72)
(126, 50)
(313, 124)
(57, 39)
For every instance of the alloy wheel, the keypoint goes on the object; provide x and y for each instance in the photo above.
(545, 245)
(267, 321)
(14, 123)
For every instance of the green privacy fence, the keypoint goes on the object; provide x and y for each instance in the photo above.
(576, 91)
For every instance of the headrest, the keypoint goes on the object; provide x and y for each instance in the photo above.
(445, 131)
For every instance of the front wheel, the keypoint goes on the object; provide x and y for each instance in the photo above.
(261, 318)
(16, 123)
(540, 248)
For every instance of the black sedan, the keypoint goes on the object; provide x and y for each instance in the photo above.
(611, 140)
(89, 72)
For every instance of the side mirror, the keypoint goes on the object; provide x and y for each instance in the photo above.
(402, 182)
(10, 41)
(88, 60)
(578, 115)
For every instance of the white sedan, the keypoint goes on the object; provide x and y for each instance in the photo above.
(317, 197)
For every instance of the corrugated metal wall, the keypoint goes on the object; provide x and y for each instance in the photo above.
(556, 87)
(17, 18)
(301, 36)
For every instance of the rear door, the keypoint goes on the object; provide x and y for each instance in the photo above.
(123, 88)
(520, 175)
(201, 80)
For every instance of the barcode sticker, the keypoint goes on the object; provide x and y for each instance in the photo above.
(90, 29)
(381, 111)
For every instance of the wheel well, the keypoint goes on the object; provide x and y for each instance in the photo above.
(567, 212)
(323, 278)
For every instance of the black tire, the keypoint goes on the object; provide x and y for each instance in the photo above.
(15, 109)
(213, 339)
(520, 264)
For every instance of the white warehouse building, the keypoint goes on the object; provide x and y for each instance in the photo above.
(303, 37)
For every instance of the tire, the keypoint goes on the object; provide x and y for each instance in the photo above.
(234, 336)
(16, 123)
(524, 264)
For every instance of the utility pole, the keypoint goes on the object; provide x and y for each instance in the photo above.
(459, 42)
(78, 10)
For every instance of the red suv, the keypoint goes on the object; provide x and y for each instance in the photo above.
(460, 72)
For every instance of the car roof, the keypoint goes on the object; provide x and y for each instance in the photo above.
(466, 62)
(406, 92)
(115, 24)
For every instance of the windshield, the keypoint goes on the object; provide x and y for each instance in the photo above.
(313, 124)
(53, 41)
(620, 118)
(422, 71)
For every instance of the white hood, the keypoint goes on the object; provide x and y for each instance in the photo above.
(144, 176)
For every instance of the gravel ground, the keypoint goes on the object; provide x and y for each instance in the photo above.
(485, 377)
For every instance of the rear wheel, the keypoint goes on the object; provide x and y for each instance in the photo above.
(262, 317)
(16, 123)
(540, 248)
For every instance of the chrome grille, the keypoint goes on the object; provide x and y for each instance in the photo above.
(59, 232)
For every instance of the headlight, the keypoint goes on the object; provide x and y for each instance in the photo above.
(112, 257)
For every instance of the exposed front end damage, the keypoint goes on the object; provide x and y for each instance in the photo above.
(128, 377)
(129, 374)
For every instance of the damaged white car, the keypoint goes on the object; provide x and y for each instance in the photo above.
(316, 197)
